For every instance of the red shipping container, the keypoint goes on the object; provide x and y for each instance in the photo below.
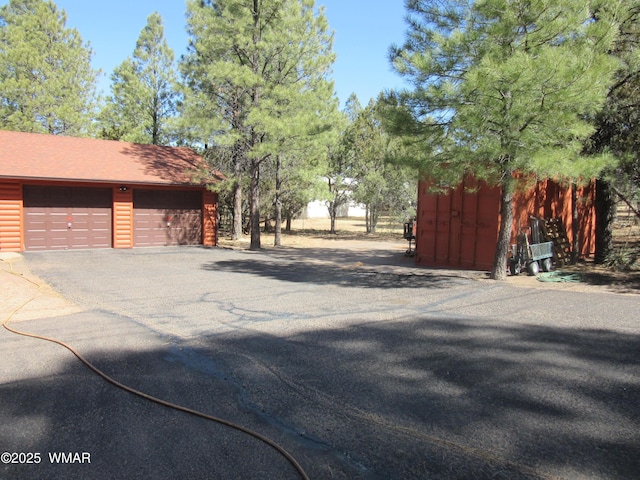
(459, 228)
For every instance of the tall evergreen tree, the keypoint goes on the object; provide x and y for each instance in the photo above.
(618, 131)
(143, 90)
(47, 84)
(379, 184)
(338, 171)
(506, 87)
(257, 72)
(363, 166)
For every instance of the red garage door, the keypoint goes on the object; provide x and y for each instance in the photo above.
(167, 217)
(60, 218)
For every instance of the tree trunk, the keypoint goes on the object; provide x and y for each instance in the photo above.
(237, 157)
(255, 164)
(605, 214)
(267, 225)
(155, 125)
(332, 216)
(236, 230)
(277, 241)
(499, 271)
(373, 218)
(333, 207)
(575, 225)
(367, 217)
(254, 217)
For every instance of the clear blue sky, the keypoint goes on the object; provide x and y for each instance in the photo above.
(364, 30)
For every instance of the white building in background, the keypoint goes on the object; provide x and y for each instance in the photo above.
(318, 209)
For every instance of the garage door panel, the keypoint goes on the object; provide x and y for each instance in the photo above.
(186, 227)
(60, 218)
(164, 218)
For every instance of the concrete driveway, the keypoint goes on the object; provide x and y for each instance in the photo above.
(358, 364)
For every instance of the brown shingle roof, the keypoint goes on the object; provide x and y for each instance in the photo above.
(52, 157)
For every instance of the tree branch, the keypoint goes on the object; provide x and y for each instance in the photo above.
(624, 199)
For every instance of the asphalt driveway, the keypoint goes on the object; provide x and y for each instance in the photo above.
(358, 364)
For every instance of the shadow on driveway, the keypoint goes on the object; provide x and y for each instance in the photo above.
(419, 398)
(342, 267)
(449, 398)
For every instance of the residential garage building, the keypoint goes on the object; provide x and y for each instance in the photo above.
(76, 193)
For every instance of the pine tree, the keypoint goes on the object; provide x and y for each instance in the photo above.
(369, 171)
(618, 131)
(506, 88)
(47, 84)
(257, 76)
(143, 93)
(376, 179)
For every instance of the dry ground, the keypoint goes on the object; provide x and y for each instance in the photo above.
(626, 238)
(305, 230)
(351, 234)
